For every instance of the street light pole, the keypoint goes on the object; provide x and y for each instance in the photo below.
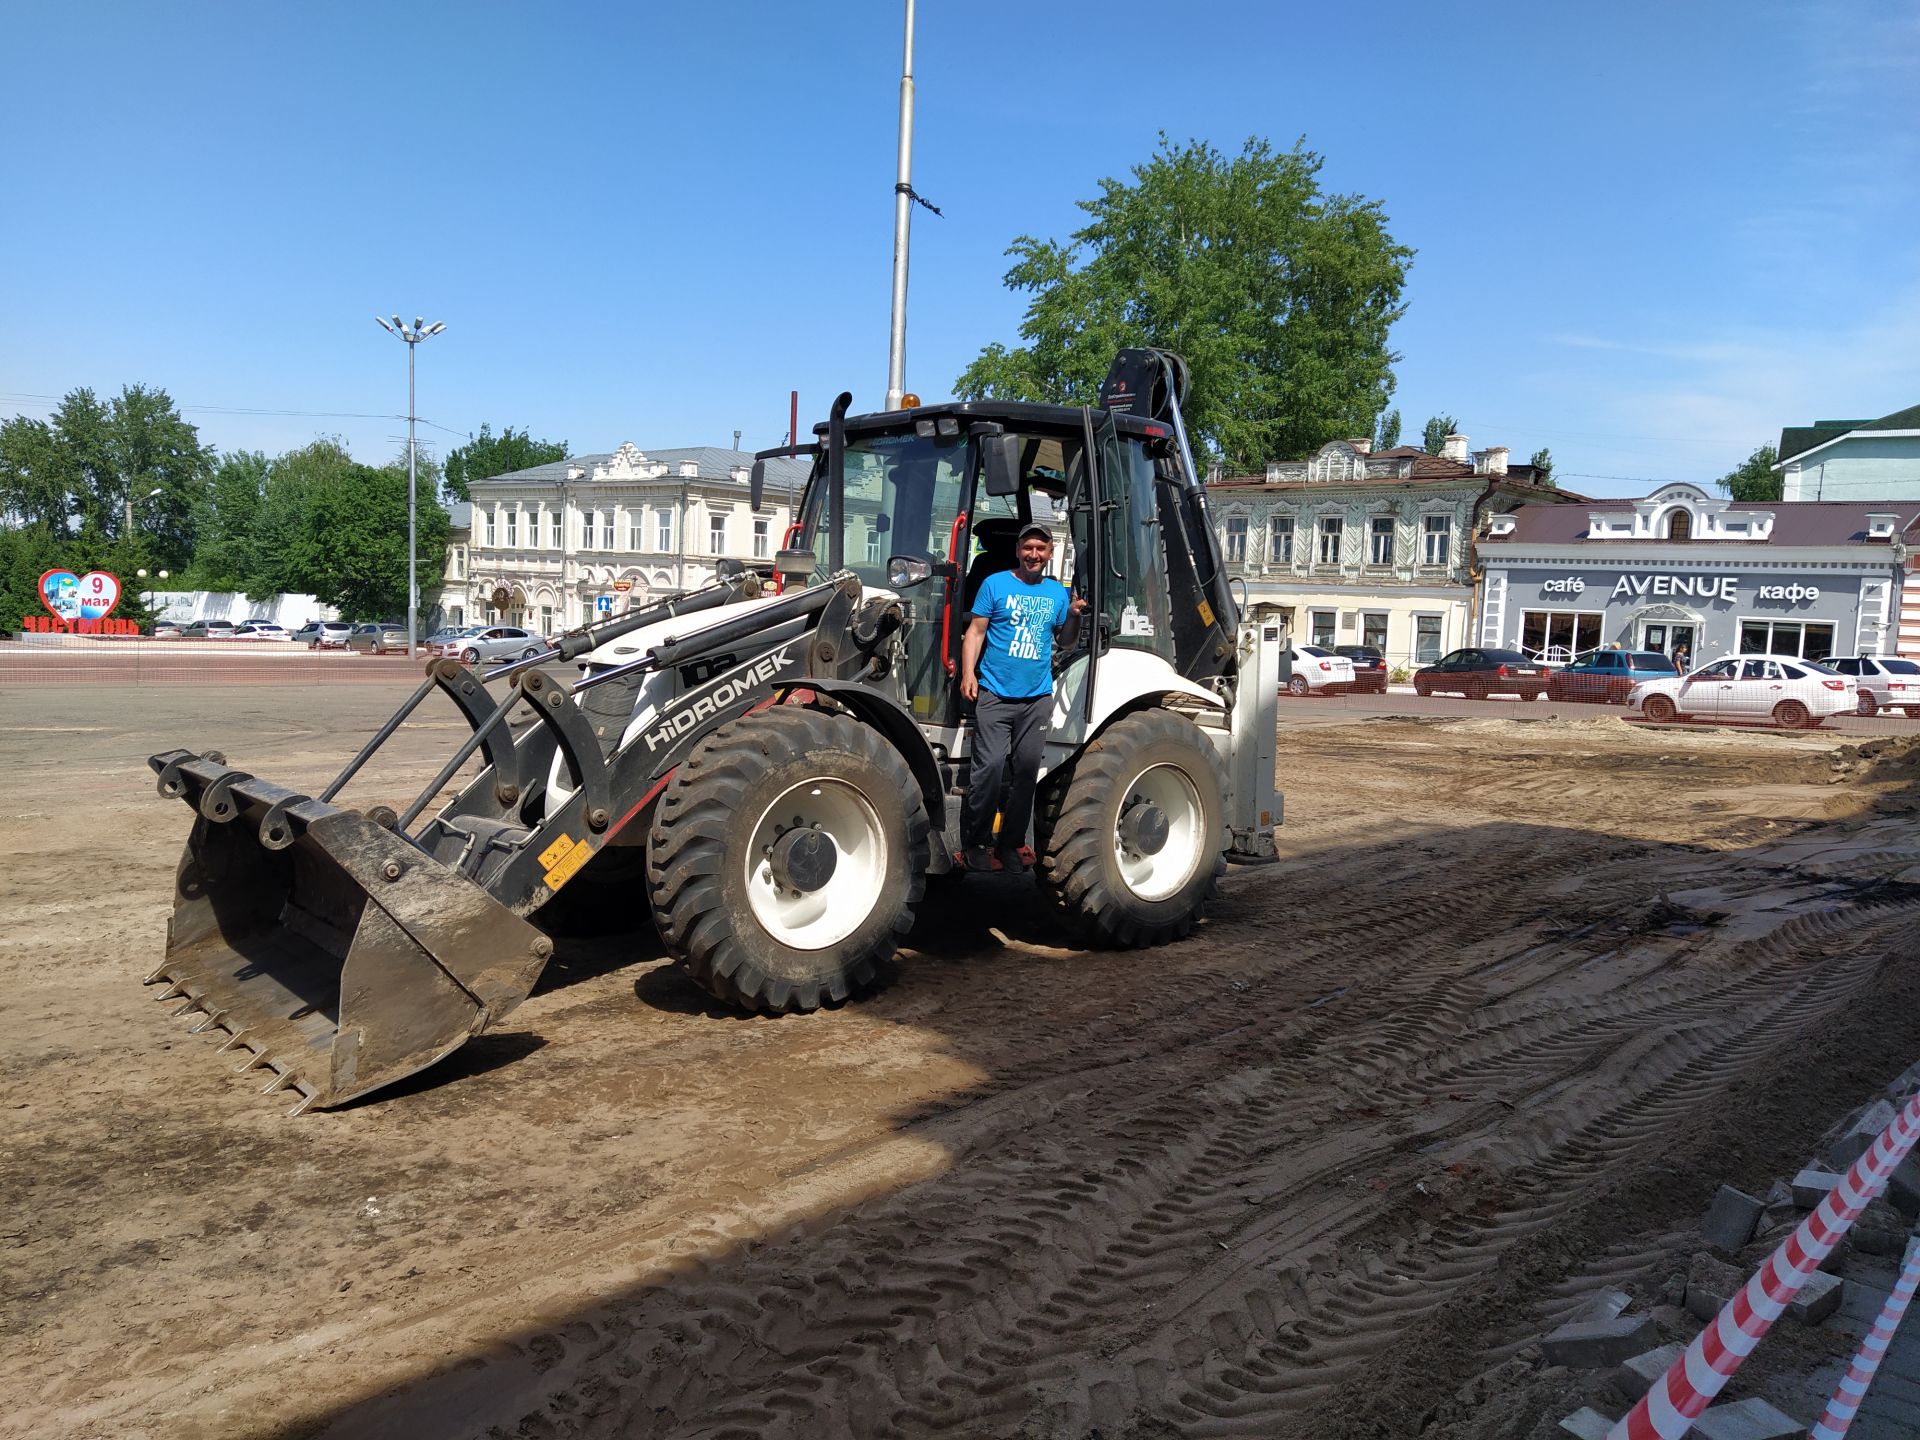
(412, 336)
(902, 221)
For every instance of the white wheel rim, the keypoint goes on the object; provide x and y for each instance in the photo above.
(817, 919)
(1156, 876)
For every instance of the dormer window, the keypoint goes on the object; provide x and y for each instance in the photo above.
(1880, 526)
(1680, 525)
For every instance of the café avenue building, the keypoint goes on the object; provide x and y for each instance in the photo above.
(1684, 568)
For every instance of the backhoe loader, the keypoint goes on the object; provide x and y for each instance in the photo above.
(775, 762)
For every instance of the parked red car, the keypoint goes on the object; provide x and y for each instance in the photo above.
(1369, 668)
(1477, 674)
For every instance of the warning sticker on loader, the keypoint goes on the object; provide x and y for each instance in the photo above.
(563, 858)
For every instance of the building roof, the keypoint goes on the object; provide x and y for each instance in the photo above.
(1795, 522)
(1798, 439)
(713, 462)
(1426, 470)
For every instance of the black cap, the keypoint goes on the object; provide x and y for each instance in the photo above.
(1036, 528)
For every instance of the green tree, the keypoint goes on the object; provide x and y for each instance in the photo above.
(82, 471)
(1754, 478)
(487, 455)
(1278, 295)
(1386, 434)
(1433, 435)
(1542, 462)
(331, 527)
(224, 521)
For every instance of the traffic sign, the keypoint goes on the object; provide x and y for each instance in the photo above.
(603, 603)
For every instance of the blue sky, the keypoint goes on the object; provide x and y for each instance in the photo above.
(1649, 235)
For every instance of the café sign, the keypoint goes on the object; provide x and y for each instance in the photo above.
(1718, 588)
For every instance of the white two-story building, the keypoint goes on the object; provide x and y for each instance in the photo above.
(552, 546)
(1353, 546)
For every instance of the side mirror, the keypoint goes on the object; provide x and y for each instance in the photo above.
(906, 571)
(1000, 455)
(757, 484)
(793, 565)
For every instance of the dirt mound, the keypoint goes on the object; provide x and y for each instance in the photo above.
(1893, 758)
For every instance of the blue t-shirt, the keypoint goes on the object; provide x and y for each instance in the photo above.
(1016, 663)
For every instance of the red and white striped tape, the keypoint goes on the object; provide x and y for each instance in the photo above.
(1853, 1385)
(1668, 1410)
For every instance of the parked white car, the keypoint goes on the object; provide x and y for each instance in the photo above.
(261, 630)
(1885, 682)
(1785, 689)
(1318, 671)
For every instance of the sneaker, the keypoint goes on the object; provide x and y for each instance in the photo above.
(977, 858)
(1012, 863)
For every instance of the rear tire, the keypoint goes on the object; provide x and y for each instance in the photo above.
(759, 944)
(1660, 710)
(1095, 863)
(1793, 715)
(1422, 691)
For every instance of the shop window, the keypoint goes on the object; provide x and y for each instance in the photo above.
(1236, 539)
(1433, 540)
(1426, 639)
(1807, 639)
(1559, 634)
(1331, 531)
(1680, 525)
(1373, 630)
(1322, 623)
(1280, 539)
(1380, 543)
(546, 619)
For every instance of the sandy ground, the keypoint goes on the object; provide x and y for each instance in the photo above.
(1519, 996)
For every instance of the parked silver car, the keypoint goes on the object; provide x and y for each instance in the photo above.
(379, 639)
(208, 630)
(324, 634)
(483, 643)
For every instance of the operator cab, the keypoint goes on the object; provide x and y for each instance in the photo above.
(916, 489)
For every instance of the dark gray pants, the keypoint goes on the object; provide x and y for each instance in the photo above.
(1008, 736)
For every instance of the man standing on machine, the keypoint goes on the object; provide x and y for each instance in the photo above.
(1006, 670)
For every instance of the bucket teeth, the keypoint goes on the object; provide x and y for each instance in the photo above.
(280, 1081)
(259, 1057)
(158, 973)
(213, 1019)
(172, 992)
(305, 1101)
(193, 1003)
(239, 1037)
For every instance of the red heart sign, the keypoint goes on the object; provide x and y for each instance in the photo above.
(79, 597)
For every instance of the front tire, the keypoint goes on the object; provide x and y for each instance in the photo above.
(755, 921)
(1297, 686)
(1868, 706)
(470, 657)
(1131, 839)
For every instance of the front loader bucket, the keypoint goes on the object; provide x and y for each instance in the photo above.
(333, 948)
